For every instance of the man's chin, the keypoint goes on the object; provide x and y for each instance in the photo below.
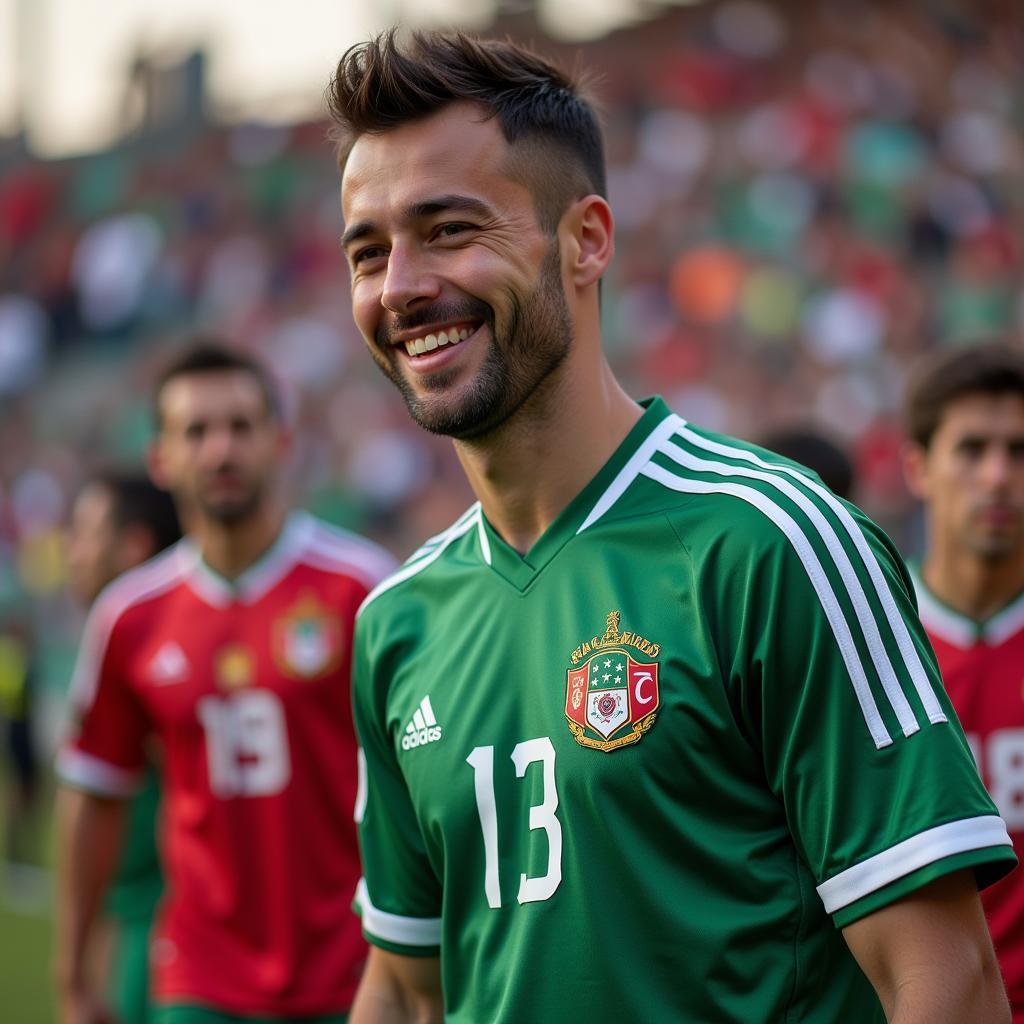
(998, 548)
(229, 511)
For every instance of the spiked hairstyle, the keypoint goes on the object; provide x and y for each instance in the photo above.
(553, 131)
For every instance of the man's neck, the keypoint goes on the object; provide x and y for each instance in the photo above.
(231, 548)
(528, 471)
(976, 588)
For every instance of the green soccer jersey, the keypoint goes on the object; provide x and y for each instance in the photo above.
(138, 884)
(647, 771)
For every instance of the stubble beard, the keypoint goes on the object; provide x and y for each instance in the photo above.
(234, 512)
(516, 367)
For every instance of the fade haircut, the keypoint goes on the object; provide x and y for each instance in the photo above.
(208, 354)
(989, 368)
(558, 150)
(136, 501)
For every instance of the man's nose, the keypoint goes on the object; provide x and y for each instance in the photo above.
(219, 443)
(997, 468)
(409, 282)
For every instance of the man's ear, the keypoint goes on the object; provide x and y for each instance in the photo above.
(134, 546)
(588, 241)
(915, 469)
(156, 465)
(285, 441)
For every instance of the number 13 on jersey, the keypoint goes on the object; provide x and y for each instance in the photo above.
(542, 817)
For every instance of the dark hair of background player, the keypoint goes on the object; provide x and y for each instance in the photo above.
(211, 355)
(815, 451)
(558, 151)
(136, 501)
(990, 367)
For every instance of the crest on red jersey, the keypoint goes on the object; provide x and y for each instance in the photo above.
(611, 698)
(307, 641)
(234, 667)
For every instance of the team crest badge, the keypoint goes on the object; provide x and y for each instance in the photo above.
(234, 666)
(308, 640)
(611, 698)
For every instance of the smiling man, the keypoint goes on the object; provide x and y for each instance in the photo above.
(652, 732)
(965, 461)
(231, 652)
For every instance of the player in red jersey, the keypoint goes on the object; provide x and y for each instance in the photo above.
(231, 650)
(965, 461)
(118, 521)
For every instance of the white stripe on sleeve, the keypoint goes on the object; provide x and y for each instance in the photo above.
(819, 580)
(408, 931)
(916, 852)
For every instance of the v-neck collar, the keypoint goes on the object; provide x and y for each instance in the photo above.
(261, 577)
(592, 502)
(960, 630)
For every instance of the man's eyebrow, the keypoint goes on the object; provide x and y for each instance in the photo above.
(452, 202)
(358, 230)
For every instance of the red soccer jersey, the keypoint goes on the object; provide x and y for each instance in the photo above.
(983, 668)
(246, 688)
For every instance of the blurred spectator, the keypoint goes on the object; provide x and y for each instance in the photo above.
(17, 670)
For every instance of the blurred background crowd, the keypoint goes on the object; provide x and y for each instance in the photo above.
(808, 195)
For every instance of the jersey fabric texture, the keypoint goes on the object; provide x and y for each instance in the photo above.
(646, 771)
(138, 884)
(201, 1015)
(131, 904)
(246, 688)
(983, 668)
(128, 984)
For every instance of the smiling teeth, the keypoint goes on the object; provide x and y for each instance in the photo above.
(418, 346)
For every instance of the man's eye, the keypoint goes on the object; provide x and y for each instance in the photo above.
(971, 448)
(450, 230)
(371, 252)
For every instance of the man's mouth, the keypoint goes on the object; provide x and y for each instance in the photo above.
(439, 339)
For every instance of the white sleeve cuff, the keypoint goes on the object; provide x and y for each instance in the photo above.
(407, 931)
(916, 852)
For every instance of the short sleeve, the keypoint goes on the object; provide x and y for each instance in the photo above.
(399, 896)
(104, 751)
(859, 740)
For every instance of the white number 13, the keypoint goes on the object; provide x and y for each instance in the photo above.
(542, 816)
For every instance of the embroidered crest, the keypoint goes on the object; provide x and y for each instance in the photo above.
(307, 641)
(611, 698)
(234, 666)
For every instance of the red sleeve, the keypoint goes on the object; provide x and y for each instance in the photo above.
(104, 751)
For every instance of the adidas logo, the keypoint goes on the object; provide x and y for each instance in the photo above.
(169, 664)
(423, 728)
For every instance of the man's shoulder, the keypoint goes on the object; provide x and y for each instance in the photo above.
(337, 551)
(718, 487)
(141, 588)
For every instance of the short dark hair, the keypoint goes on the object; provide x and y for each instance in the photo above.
(382, 83)
(136, 501)
(209, 354)
(990, 367)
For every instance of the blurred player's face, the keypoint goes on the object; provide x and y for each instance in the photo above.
(971, 477)
(219, 445)
(92, 551)
(455, 287)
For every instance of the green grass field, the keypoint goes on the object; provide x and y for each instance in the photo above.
(26, 991)
(26, 994)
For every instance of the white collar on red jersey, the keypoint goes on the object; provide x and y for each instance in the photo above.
(261, 577)
(959, 630)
